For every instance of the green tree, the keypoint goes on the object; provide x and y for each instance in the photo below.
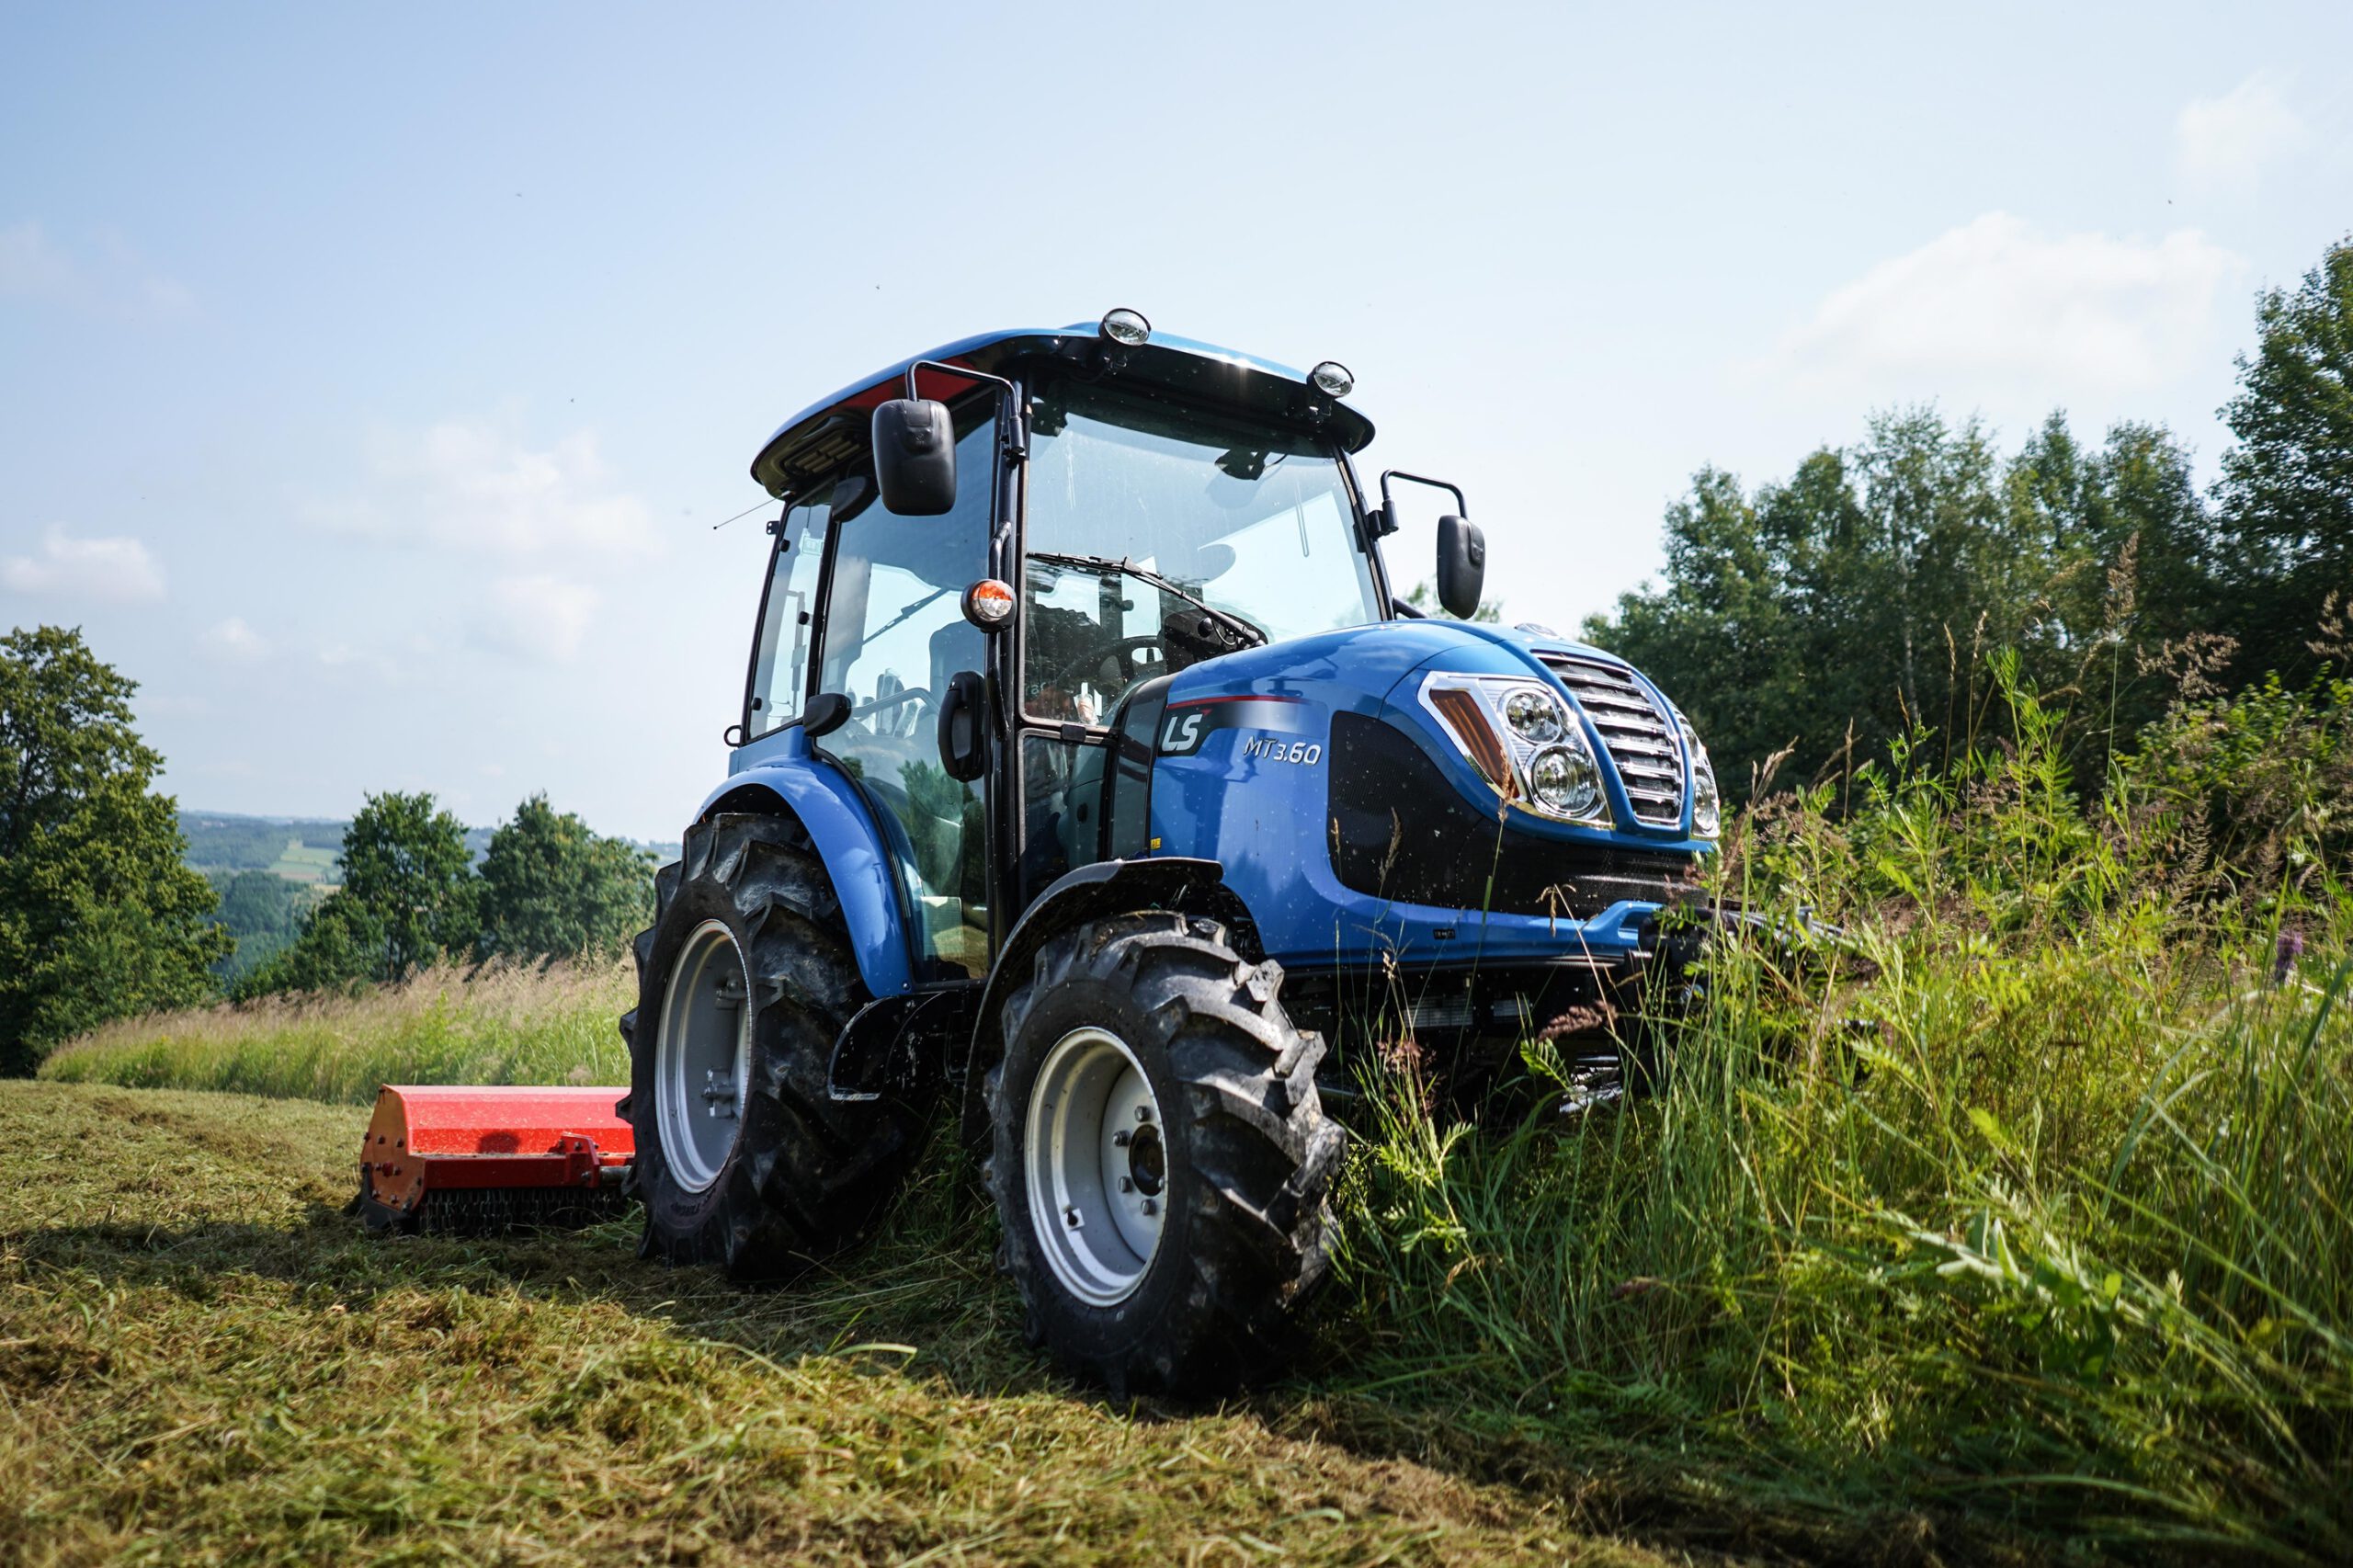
(342, 944)
(98, 918)
(551, 888)
(2286, 494)
(264, 913)
(408, 898)
(1860, 598)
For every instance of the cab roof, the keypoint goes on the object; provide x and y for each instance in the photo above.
(819, 438)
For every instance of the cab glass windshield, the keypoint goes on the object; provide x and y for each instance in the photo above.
(1249, 519)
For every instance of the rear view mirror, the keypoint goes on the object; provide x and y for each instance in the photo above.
(915, 457)
(1462, 566)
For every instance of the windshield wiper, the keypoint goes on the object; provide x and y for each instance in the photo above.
(1144, 574)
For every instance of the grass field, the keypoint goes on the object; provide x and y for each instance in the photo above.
(304, 863)
(202, 1361)
(2011, 1223)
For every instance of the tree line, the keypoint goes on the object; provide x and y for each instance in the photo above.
(100, 918)
(1818, 618)
(548, 887)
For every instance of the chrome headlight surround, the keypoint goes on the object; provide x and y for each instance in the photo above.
(1524, 739)
(1707, 802)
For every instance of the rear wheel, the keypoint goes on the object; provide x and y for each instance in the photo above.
(1159, 1159)
(744, 981)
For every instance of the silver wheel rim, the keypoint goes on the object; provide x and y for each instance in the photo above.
(1096, 1163)
(702, 1058)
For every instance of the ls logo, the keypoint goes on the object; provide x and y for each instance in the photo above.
(1188, 725)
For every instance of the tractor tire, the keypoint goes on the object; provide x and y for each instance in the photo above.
(1159, 1159)
(744, 981)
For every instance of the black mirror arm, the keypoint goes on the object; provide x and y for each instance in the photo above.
(1388, 507)
(1014, 450)
(827, 712)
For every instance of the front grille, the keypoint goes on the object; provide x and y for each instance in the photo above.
(1398, 830)
(1641, 738)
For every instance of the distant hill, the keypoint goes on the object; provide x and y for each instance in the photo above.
(300, 849)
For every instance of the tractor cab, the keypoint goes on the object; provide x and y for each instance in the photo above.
(1102, 516)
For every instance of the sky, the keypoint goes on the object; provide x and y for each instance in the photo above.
(371, 379)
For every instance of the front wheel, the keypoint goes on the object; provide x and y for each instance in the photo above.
(1159, 1159)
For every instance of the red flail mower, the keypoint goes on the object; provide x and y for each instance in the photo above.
(450, 1160)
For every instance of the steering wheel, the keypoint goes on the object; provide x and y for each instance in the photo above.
(891, 702)
(1089, 665)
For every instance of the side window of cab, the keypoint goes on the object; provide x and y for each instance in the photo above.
(788, 617)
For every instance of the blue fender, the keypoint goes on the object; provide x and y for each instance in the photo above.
(829, 806)
(1085, 892)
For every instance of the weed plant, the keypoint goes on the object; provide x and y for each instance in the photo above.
(2022, 1202)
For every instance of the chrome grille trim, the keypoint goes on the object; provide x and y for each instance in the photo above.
(1638, 733)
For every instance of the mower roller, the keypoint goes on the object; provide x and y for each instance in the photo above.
(467, 1161)
(1096, 789)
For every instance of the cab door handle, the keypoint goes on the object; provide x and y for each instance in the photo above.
(963, 738)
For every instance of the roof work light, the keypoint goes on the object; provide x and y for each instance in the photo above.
(1126, 327)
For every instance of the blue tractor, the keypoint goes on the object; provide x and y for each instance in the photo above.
(1092, 776)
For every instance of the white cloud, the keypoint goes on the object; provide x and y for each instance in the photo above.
(539, 616)
(2227, 140)
(481, 489)
(108, 571)
(112, 278)
(31, 265)
(1996, 305)
(340, 657)
(234, 641)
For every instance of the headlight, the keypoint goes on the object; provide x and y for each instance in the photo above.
(1535, 716)
(1565, 780)
(1707, 806)
(1524, 742)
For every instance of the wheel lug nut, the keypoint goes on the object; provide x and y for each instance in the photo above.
(1127, 1184)
(1122, 1138)
(1143, 1113)
(1152, 1206)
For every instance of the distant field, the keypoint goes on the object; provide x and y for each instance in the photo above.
(300, 862)
(299, 849)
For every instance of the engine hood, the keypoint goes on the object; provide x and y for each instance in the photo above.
(1375, 659)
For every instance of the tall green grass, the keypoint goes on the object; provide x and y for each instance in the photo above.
(2027, 1201)
(501, 1025)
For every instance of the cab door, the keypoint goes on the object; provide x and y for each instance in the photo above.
(882, 623)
